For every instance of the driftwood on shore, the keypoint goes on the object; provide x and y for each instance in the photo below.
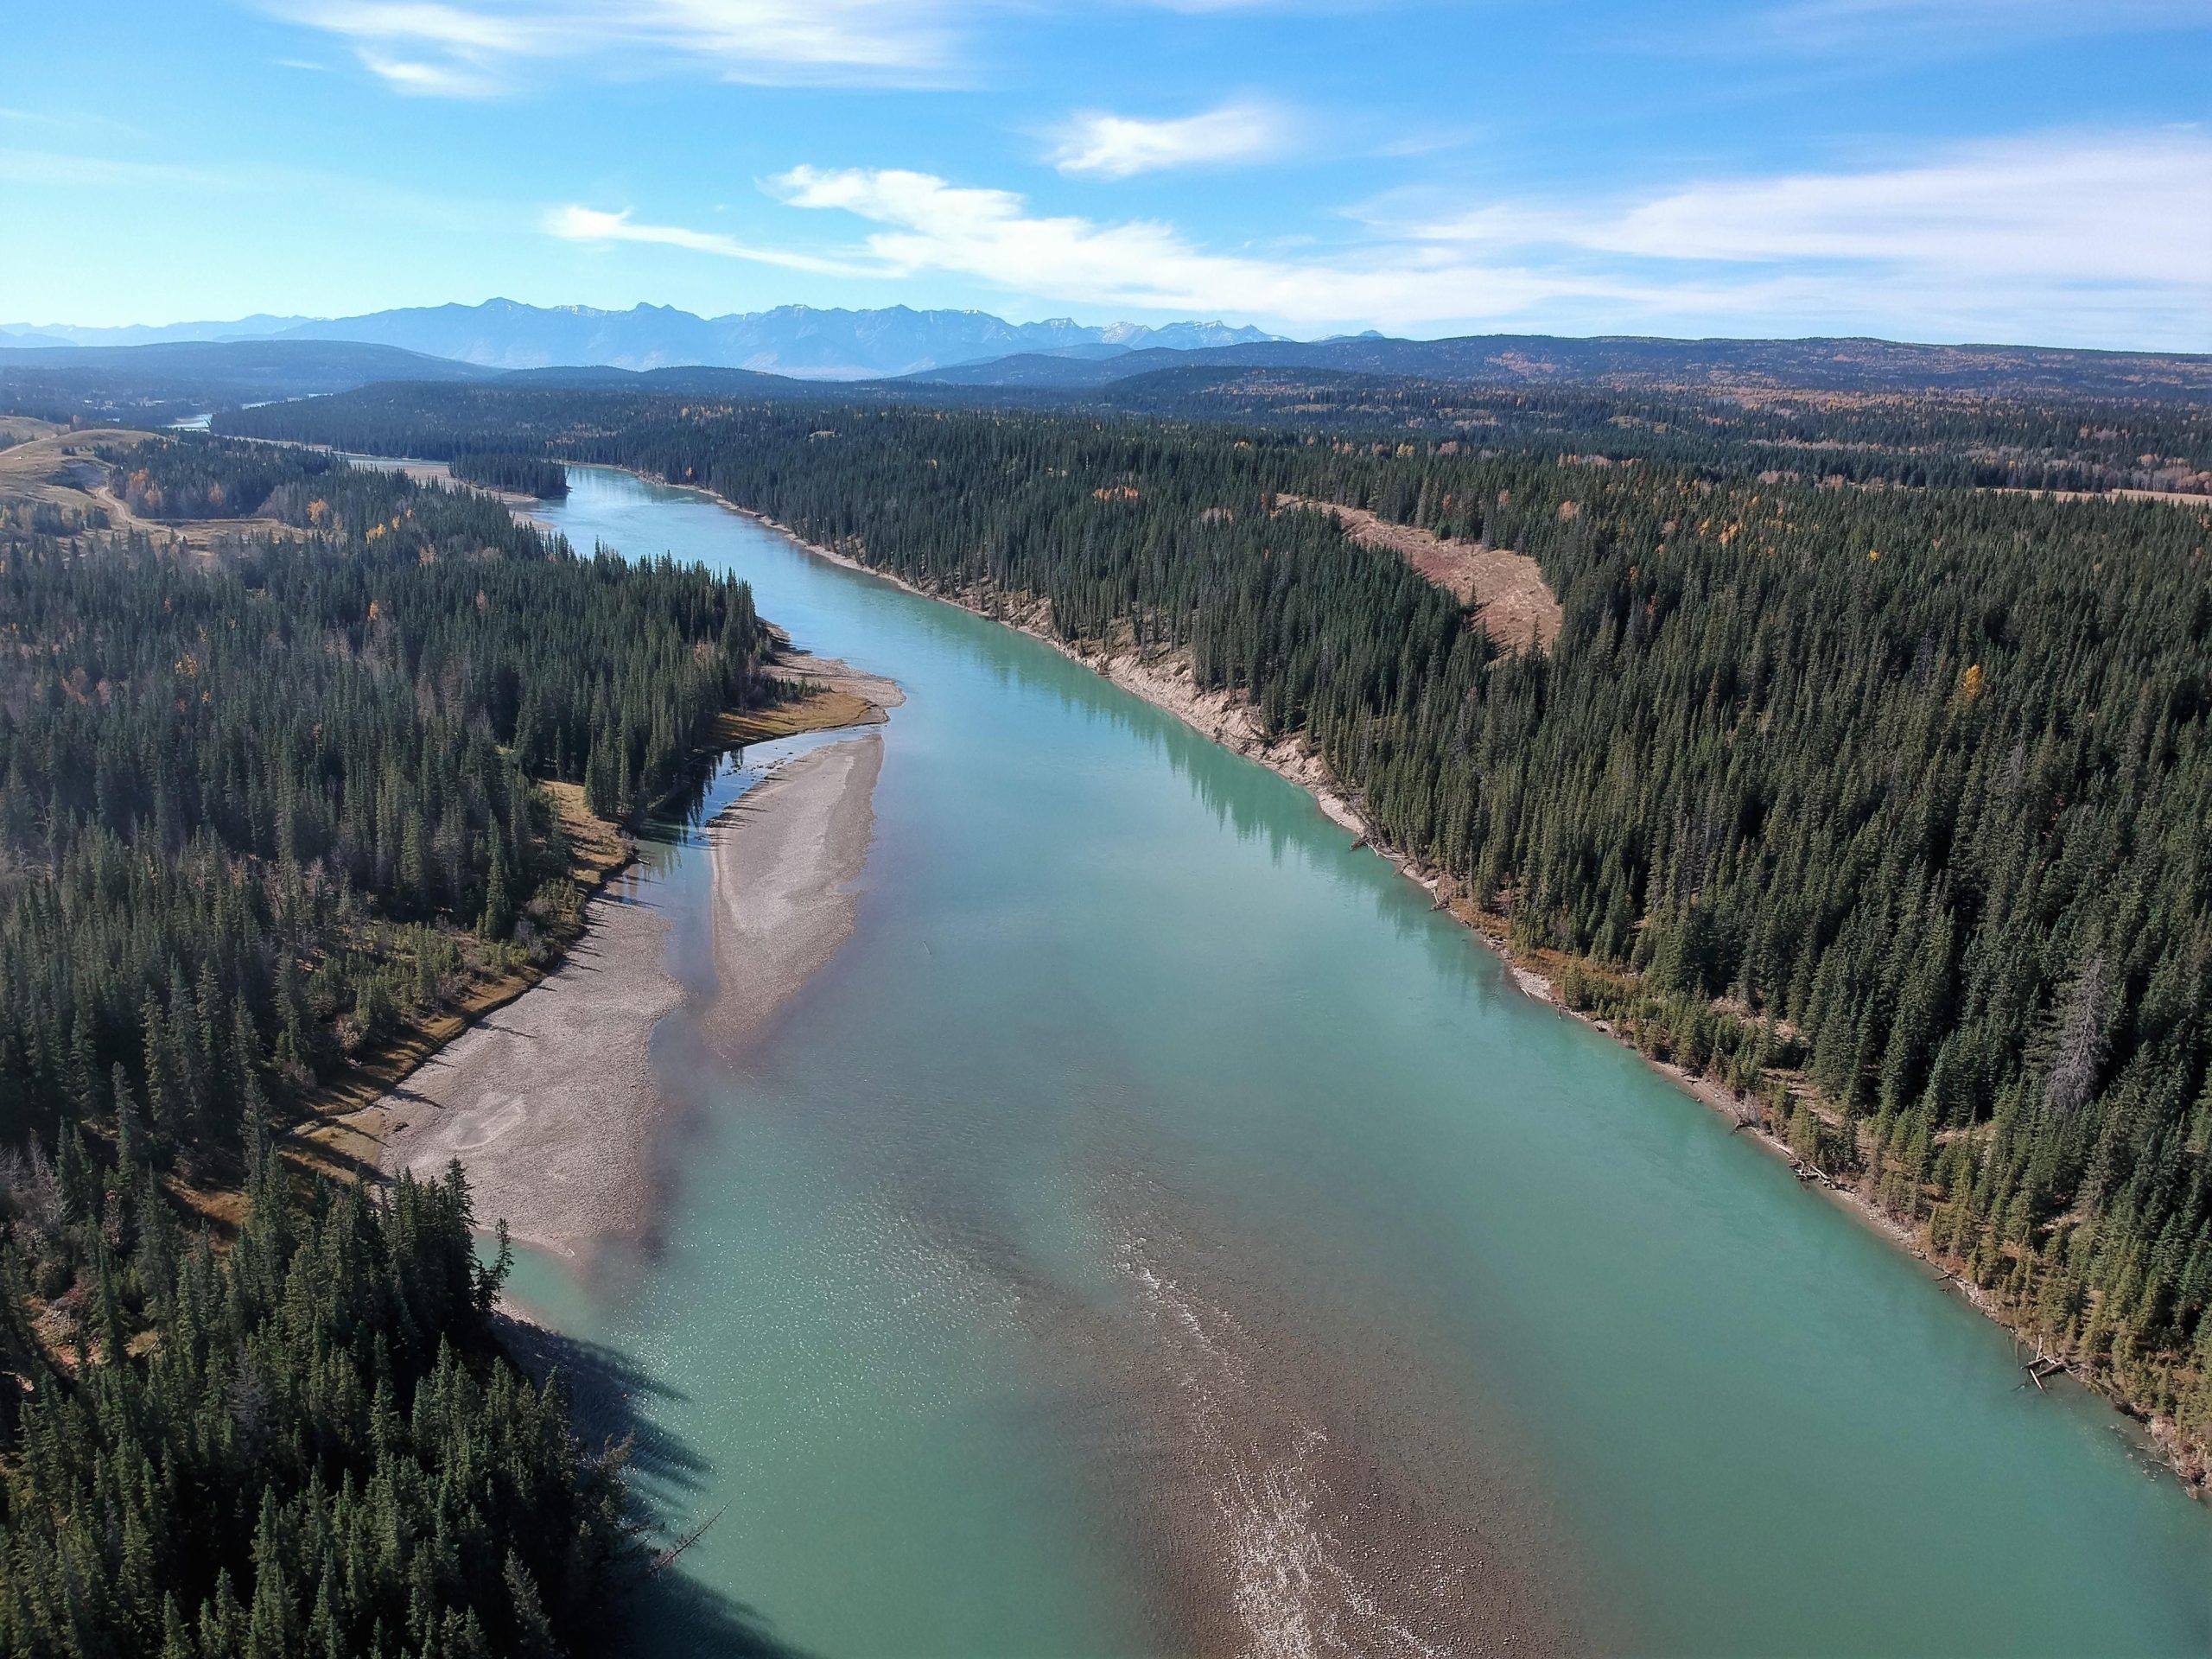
(2041, 1366)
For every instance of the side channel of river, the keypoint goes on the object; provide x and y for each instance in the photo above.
(1154, 1232)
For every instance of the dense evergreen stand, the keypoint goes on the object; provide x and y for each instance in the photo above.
(256, 805)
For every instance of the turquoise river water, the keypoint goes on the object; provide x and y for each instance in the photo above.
(1155, 1231)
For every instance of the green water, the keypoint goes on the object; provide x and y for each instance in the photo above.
(1145, 1148)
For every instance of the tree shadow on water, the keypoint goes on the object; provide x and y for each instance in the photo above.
(675, 1616)
(668, 1612)
(609, 1397)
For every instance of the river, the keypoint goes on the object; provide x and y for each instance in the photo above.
(1155, 1231)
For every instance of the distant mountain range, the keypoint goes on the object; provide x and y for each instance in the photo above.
(163, 381)
(796, 340)
(1060, 357)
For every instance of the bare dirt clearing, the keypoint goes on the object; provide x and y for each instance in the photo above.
(1505, 589)
(60, 468)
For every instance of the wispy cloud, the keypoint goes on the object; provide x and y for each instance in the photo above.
(60, 171)
(1122, 146)
(926, 225)
(929, 224)
(2081, 239)
(575, 223)
(484, 47)
(1820, 25)
(431, 77)
(80, 121)
(2124, 208)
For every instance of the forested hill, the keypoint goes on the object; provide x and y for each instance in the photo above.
(266, 797)
(779, 353)
(1627, 362)
(1979, 442)
(154, 385)
(1885, 806)
(517, 474)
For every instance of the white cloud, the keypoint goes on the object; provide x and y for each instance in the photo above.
(431, 80)
(2094, 240)
(1120, 146)
(428, 23)
(467, 49)
(486, 47)
(931, 226)
(2108, 208)
(579, 224)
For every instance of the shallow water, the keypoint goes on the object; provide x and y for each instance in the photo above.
(1154, 1229)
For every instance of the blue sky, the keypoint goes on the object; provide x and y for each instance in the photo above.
(1931, 169)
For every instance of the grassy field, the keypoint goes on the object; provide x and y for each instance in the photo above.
(819, 709)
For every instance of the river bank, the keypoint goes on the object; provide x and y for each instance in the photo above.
(1164, 678)
(550, 1106)
(554, 1107)
(785, 858)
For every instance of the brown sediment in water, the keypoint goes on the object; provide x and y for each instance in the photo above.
(1284, 1479)
(1314, 1486)
(1281, 1475)
(553, 1104)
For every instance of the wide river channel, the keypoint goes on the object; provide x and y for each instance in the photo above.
(1155, 1231)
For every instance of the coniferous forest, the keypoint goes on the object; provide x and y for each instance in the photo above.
(253, 805)
(1873, 788)
(308, 1444)
(520, 475)
(261, 799)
